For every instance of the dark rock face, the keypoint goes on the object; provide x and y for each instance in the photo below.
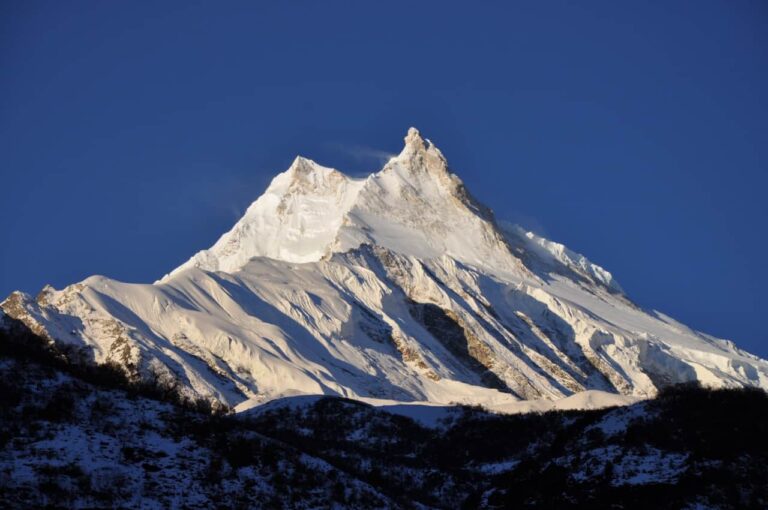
(446, 327)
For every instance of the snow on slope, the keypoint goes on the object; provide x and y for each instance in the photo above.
(295, 220)
(432, 414)
(555, 254)
(400, 286)
(414, 206)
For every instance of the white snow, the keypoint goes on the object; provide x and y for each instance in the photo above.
(414, 206)
(400, 287)
(616, 421)
(295, 220)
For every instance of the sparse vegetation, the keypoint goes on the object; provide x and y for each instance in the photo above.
(78, 435)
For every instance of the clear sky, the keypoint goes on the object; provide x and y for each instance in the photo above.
(133, 134)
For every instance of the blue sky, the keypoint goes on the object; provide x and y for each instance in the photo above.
(133, 134)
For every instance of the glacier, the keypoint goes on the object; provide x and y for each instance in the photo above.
(396, 287)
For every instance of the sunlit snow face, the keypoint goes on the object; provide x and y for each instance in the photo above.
(399, 286)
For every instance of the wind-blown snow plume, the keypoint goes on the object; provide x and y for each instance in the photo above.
(362, 153)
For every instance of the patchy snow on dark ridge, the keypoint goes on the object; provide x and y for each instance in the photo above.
(399, 287)
(76, 435)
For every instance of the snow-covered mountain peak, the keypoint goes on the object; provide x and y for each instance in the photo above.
(415, 144)
(415, 205)
(419, 156)
(400, 286)
(305, 167)
(295, 220)
(307, 177)
(413, 137)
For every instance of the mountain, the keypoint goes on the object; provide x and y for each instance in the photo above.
(399, 286)
(82, 436)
